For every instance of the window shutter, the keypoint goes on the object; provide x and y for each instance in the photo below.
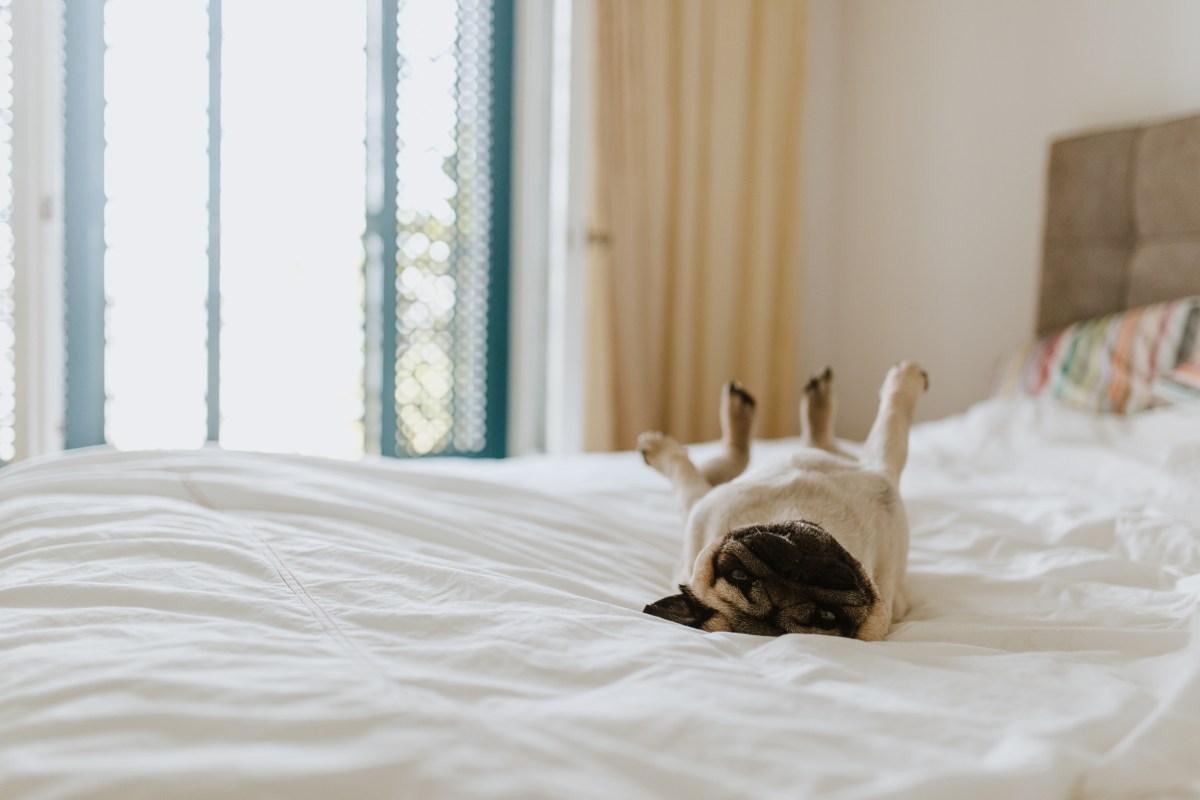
(446, 272)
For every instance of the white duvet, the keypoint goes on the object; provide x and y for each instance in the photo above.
(214, 624)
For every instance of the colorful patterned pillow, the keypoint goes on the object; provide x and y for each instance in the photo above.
(1109, 363)
(1180, 385)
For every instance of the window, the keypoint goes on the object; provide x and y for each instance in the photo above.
(8, 383)
(155, 223)
(287, 224)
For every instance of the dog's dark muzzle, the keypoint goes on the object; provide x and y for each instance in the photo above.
(781, 569)
(797, 551)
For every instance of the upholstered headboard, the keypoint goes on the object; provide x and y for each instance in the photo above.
(1122, 221)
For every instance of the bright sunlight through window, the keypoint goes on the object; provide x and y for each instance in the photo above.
(293, 166)
(155, 221)
(8, 385)
(254, 127)
(292, 179)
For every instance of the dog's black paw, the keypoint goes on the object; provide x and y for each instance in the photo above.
(819, 381)
(737, 389)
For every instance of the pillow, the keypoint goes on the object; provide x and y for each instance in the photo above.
(1109, 363)
(1180, 385)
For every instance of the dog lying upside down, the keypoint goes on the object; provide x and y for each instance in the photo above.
(817, 543)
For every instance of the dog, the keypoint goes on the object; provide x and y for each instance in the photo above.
(815, 544)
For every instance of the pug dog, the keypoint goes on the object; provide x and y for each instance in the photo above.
(817, 543)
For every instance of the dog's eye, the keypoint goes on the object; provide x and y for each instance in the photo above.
(824, 618)
(739, 576)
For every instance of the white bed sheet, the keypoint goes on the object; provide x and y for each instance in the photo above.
(211, 624)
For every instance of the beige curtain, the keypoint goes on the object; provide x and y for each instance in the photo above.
(694, 258)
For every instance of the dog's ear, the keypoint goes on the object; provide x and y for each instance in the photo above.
(683, 608)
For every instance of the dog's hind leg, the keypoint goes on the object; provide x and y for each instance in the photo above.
(887, 443)
(737, 420)
(667, 456)
(816, 413)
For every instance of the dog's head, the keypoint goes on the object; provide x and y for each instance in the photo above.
(785, 577)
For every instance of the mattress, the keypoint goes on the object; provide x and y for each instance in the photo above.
(217, 624)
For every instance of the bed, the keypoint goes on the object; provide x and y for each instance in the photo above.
(219, 624)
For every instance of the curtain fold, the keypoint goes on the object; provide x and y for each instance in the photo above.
(694, 257)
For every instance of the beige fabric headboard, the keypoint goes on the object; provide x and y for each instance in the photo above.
(1122, 221)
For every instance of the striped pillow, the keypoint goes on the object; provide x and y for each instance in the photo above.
(1180, 385)
(1109, 363)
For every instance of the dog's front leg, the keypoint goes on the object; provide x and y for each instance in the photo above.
(666, 455)
(669, 457)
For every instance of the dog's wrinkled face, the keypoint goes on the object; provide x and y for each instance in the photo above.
(785, 577)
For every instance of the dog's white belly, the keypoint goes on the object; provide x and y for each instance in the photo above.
(859, 507)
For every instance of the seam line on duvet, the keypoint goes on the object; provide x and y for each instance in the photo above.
(327, 623)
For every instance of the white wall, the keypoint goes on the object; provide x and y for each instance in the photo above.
(928, 122)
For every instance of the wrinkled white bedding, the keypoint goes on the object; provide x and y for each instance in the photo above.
(212, 624)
